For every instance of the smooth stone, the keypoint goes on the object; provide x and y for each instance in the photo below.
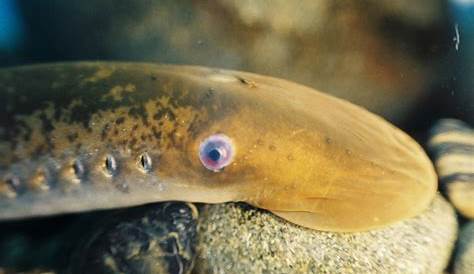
(236, 238)
(464, 259)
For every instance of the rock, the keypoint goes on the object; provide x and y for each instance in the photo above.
(464, 259)
(158, 238)
(383, 55)
(234, 238)
(155, 238)
(452, 149)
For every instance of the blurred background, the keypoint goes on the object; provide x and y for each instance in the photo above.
(409, 61)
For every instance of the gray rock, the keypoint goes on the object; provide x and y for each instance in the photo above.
(234, 238)
(464, 259)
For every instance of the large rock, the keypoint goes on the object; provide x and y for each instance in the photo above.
(464, 260)
(234, 238)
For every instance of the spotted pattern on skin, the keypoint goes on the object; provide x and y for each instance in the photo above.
(117, 117)
(55, 127)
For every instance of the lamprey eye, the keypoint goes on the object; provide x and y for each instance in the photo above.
(216, 152)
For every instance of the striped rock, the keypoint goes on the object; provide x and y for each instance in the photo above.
(452, 147)
(464, 258)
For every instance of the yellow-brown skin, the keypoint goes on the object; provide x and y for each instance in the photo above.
(312, 159)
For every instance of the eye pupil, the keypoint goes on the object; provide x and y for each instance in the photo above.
(214, 155)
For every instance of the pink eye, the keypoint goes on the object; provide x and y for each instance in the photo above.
(216, 152)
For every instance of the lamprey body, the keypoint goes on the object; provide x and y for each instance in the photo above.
(86, 136)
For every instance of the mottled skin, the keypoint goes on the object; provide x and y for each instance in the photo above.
(83, 136)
